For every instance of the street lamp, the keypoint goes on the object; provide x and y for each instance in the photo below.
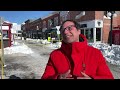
(111, 14)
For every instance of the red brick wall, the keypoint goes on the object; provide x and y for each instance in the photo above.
(89, 15)
(73, 14)
(106, 29)
(115, 24)
(99, 15)
(117, 20)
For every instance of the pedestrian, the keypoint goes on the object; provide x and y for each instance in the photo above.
(75, 59)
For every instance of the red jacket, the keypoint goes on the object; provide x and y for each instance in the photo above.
(73, 56)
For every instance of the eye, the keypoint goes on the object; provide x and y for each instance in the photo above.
(69, 28)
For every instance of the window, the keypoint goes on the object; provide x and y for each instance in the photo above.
(5, 34)
(83, 25)
(64, 15)
(98, 34)
(44, 24)
(50, 23)
(89, 34)
(82, 31)
(55, 21)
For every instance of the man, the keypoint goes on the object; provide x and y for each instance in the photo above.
(75, 59)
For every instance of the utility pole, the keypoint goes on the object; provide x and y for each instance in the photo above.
(2, 49)
(111, 29)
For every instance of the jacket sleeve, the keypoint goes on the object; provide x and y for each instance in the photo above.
(103, 71)
(49, 72)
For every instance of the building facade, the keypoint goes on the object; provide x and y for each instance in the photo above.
(95, 25)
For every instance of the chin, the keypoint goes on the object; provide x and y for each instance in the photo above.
(67, 41)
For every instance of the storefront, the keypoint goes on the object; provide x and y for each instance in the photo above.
(92, 30)
(6, 29)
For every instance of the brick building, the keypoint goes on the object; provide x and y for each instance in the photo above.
(95, 25)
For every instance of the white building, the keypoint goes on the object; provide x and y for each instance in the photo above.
(15, 30)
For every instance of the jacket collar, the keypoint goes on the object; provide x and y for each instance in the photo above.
(75, 47)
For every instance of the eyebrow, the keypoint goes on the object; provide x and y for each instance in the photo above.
(69, 26)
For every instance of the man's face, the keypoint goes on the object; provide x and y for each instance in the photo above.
(69, 32)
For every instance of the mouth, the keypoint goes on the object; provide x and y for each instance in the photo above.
(67, 36)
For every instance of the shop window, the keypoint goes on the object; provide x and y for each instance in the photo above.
(98, 34)
(5, 34)
(82, 31)
(89, 34)
(83, 25)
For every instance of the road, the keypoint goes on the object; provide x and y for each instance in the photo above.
(31, 66)
(115, 70)
(27, 66)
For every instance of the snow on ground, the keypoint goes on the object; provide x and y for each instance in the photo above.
(112, 54)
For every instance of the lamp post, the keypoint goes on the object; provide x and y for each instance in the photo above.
(111, 14)
(37, 31)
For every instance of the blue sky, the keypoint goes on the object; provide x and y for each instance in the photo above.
(21, 16)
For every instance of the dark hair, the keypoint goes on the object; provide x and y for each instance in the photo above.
(77, 25)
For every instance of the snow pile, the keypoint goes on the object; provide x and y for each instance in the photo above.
(44, 41)
(39, 41)
(18, 48)
(111, 53)
(54, 45)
